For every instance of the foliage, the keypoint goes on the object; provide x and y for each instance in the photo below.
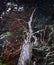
(51, 26)
(2, 63)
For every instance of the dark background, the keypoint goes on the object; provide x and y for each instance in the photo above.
(45, 8)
